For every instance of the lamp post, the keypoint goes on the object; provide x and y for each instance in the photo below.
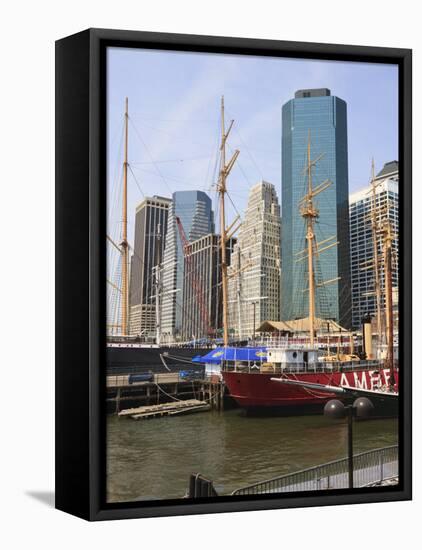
(362, 408)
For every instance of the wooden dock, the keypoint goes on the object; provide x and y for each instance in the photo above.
(164, 388)
(188, 406)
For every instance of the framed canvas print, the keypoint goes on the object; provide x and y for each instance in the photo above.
(233, 274)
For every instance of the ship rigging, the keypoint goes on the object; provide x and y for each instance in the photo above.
(118, 325)
(310, 377)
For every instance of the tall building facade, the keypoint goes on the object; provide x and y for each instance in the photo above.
(150, 228)
(385, 207)
(317, 116)
(194, 209)
(202, 291)
(254, 285)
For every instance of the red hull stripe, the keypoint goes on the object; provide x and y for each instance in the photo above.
(257, 389)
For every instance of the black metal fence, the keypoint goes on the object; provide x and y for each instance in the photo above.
(368, 468)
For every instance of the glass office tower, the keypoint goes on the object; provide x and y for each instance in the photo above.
(194, 209)
(323, 117)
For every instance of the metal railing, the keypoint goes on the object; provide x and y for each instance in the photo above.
(303, 342)
(370, 467)
(329, 367)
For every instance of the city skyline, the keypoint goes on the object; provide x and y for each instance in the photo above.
(174, 119)
(174, 164)
(362, 304)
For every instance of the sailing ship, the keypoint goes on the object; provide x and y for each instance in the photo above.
(312, 376)
(125, 353)
(251, 374)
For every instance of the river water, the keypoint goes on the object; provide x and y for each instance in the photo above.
(153, 459)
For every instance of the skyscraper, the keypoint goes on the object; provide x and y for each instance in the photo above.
(322, 118)
(254, 287)
(202, 293)
(150, 229)
(194, 209)
(362, 206)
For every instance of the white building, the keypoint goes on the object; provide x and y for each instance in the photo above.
(254, 285)
(361, 243)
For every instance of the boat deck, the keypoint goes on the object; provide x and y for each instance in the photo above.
(334, 366)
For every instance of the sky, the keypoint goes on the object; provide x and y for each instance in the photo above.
(174, 112)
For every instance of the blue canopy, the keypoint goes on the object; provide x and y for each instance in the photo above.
(232, 354)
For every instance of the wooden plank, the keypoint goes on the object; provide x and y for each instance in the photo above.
(161, 407)
(180, 410)
(166, 378)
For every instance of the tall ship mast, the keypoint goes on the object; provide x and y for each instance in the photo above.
(388, 252)
(126, 352)
(124, 242)
(310, 214)
(158, 287)
(375, 266)
(122, 247)
(225, 170)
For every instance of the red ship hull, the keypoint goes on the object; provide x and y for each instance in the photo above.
(257, 390)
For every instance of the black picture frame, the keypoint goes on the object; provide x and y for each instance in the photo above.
(80, 270)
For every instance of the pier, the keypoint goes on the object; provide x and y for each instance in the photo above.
(131, 391)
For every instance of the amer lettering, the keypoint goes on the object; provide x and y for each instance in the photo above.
(362, 383)
(375, 379)
(344, 381)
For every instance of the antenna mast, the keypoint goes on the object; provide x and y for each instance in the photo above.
(124, 243)
(224, 172)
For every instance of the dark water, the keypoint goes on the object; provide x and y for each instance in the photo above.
(152, 459)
